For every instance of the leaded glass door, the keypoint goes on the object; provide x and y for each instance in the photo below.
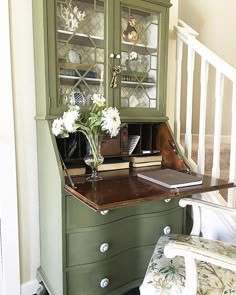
(142, 41)
(80, 51)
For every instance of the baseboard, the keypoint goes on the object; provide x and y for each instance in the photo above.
(30, 287)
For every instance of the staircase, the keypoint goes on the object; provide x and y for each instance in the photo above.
(205, 84)
(209, 151)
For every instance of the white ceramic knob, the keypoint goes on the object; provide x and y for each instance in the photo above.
(118, 56)
(168, 200)
(104, 282)
(104, 247)
(112, 55)
(167, 230)
(104, 212)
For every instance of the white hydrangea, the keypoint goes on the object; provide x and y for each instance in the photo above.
(58, 127)
(69, 119)
(133, 55)
(111, 121)
(98, 99)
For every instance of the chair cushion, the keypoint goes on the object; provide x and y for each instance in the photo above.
(167, 276)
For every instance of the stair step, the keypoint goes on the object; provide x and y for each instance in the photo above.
(224, 156)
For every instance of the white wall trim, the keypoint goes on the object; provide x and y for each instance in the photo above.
(30, 287)
(10, 283)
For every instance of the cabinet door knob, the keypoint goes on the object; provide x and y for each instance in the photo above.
(168, 200)
(104, 282)
(111, 55)
(104, 212)
(104, 247)
(117, 56)
(167, 230)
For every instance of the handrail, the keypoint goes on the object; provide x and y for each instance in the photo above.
(202, 50)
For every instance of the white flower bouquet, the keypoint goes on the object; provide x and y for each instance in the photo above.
(92, 123)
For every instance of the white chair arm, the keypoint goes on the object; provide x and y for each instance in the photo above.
(208, 205)
(189, 252)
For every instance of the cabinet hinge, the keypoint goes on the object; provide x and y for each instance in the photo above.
(49, 102)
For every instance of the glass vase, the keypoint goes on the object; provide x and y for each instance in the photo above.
(93, 157)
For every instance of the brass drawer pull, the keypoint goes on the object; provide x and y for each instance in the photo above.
(104, 212)
(104, 282)
(167, 230)
(104, 247)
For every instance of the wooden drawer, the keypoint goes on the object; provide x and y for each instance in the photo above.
(80, 215)
(120, 270)
(88, 244)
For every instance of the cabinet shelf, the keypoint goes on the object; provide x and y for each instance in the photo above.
(92, 80)
(80, 39)
(98, 81)
(138, 47)
(91, 41)
(134, 84)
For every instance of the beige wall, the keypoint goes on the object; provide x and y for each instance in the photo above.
(215, 21)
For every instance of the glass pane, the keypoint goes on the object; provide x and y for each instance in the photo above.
(80, 49)
(139, 41)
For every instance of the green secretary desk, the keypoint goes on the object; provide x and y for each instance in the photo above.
(98, 237)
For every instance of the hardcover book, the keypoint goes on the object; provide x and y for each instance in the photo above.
(170, 178)
(145, 164)
(142, 159)
(113, 164)
(80, 170)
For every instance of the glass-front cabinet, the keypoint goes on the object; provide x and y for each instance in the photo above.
(115, 48)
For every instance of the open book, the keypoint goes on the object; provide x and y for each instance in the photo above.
(170, 178)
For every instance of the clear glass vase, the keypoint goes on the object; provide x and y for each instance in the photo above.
(93, 157)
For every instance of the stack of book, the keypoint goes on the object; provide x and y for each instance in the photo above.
(113, 164)
(74, 171)
(145, 161)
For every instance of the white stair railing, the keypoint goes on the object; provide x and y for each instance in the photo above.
(186, 39)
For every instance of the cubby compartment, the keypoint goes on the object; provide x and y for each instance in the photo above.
(73, 148)
(146, 139)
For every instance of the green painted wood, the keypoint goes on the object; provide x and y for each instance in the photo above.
(133, 264)
(160, 2)
(55, 108)
(88, 218)
(51, 204)
(109, 48)
(40, 57)
(130, 232)
(46, 57)
(162, 13)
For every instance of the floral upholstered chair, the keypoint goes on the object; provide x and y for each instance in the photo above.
(192, 265)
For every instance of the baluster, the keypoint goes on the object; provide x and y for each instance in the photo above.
(202, 118)
(232, 170)
(189, 104)
(179, 56)
(219, 86)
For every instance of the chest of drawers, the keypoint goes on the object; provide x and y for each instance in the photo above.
(107, 251)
